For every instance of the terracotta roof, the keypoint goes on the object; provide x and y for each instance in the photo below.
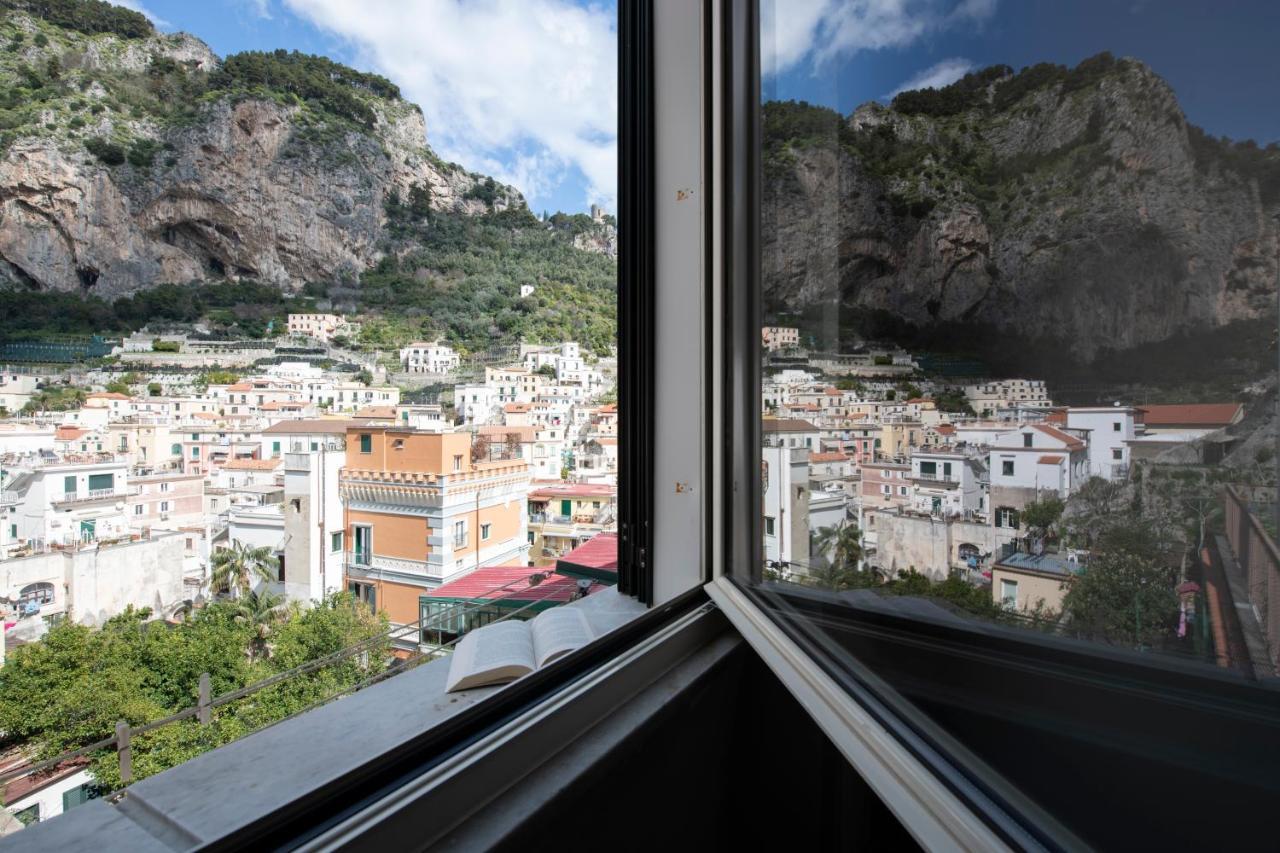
(1192, 414)
(919, 400)
(945, 429)
(378, 412)
(516, 407)
(69, 433)
(787, 425)
(251, 464)
(276, 406)
(598, 552)
(552, 490)
(1057, 416)
(240, 386)
(609, 409)
(1049, 460)
(526, 433)
(510, 583)
(828, 457)
(306, 426)
(832, 391)
(1069, 440)
(607, 442)
(107, 395)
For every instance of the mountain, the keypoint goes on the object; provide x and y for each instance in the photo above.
(145, 180)
(133, 158)
(1061, 213)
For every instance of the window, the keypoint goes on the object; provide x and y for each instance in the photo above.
(484, 531)
(1006, 517)
(164, 487)
(457, 463)
(164, 506)
(101, 482)
(36, 593)
(335, 541)
(69, 484)
(1117, 453)
(1006, 467)
(275, 448)
(459, 534)
(1115, 426)
(366, 442)
(928, 469)
(1027, 439)
(768, 525)
(1009, 594)
(137, 509)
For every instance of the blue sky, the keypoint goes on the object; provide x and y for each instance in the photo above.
(1220, 58)
(525, 89)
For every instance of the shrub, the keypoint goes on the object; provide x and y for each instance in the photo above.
(107, 152)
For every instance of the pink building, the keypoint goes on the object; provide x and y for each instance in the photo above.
(165, 500)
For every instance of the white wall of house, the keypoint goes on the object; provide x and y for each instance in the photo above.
(1110, 431)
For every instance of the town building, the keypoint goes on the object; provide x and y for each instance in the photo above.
(418, 512)
(429, 357)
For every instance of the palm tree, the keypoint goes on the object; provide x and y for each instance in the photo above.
(261, 610)
(236, 568)
(842, 544)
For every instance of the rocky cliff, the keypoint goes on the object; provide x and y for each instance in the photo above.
(130, 159)
(1077, 208)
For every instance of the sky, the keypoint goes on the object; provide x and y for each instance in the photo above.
(1219, 57)
(525, 90)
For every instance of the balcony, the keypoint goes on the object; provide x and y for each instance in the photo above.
(375, 565)
(88, 497)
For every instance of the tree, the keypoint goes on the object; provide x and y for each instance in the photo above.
(1093, 508)
(1124, 597)
(155, 389)
(480, 446)
(259, 610)
(1042, 515)
(118, 386)
(841, 544)
(364, 377)
(236, 568)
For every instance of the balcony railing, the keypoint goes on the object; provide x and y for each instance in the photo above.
(366, 563)
(90, 495)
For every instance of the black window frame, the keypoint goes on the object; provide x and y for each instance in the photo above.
(1140, 694)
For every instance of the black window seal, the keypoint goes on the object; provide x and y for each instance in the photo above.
(636, 304)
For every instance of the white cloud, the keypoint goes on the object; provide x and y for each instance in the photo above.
(138, 7)
(522, 89)
(822, 31)
(935, 76)
(260, 8)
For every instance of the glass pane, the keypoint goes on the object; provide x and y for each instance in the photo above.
(1018, 269)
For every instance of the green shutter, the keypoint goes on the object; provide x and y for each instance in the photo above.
(101, 481)
(366, 443)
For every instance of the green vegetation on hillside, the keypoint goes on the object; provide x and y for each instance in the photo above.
(320, 81)
(240, 309)
(85, 16)
(462, 280)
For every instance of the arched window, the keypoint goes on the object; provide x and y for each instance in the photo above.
(40, 593)
(175, 450)
(968, 550)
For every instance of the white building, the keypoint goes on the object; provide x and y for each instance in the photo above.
(1038, 458)
(947, 483)
(786, 507)
(429, 357)
(989, 397)
(311, 556)
(1109, 430)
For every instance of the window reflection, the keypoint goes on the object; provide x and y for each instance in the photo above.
(1019, 272)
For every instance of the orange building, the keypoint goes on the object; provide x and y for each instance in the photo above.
(418, 512)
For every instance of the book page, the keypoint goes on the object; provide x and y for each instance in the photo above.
(494, 654)
(559, 631)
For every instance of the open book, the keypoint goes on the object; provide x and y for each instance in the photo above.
(504, 651)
